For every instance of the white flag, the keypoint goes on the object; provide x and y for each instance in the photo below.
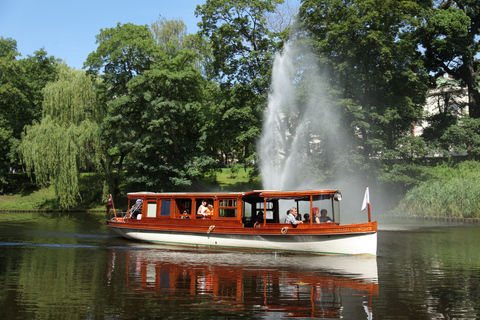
(366, 200)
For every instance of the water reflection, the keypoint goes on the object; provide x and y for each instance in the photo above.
(269, 284)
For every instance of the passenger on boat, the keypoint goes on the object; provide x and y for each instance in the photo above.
(291, 216)
(316, 215)
(202, 209)
(324, 218)
(209, 211)
(136, 209)
(299, 216)
(256, 219)
(306, 218)
(185, 214)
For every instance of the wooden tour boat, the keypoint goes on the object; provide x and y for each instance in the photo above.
(234, 223)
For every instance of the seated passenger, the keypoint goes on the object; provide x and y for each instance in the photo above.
(136, 209)
(209, 211)
(306, 218)
(292, 216)
(316, 215)
(324, 218)
(185, 214)
(256, 219)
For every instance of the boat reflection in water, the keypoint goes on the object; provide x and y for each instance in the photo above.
(265, 283)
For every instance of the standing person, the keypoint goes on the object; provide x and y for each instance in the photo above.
(202, 209)
(292, 216)
(324, 218)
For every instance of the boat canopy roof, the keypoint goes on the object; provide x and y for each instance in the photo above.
(298, 195)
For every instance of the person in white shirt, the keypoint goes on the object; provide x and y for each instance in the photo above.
(292, 216)
(203, 208)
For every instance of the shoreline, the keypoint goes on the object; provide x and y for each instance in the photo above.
(442, 219)
(4, 211)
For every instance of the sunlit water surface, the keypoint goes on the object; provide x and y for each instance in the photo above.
(54, 267)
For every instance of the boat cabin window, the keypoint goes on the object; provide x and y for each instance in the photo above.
(183, 208)
(270, 211)
(198, 203)
(227, 208)
(151, 209)
(165, 208)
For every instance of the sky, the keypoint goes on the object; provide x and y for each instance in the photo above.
(66, 29)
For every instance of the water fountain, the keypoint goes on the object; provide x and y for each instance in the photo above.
(299, 125)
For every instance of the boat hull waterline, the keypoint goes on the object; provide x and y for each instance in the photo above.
(356, 244)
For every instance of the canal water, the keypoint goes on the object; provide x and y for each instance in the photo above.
(73, 267)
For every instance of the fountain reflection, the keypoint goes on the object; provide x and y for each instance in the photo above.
(290, 285)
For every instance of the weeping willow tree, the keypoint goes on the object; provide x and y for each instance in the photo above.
(67, 139)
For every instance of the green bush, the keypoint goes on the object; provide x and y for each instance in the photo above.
(234, 169)
(451, 192)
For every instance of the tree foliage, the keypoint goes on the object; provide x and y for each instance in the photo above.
(243, 48)
(374, 66)
(67, 138)
(21, 95)
(242, 44)
(123, 53)
(155, 119)
(169, 34)
(450, 36)
(172, 149)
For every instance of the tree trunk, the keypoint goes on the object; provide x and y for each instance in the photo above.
(473, 94)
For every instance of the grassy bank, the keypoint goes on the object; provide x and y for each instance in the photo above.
(450, 192)
(28, 198)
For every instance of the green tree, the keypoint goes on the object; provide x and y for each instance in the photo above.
(463, 137)
(12, 98)
(449, 34)
(67, 139)
(123, 53)
(169, 34)
(374, 66)
(21, 95)
(242, 48)
(172, 148)
(242, 44)
(172, 36)
(154, 91)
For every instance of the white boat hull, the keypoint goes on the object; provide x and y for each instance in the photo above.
(342, 244)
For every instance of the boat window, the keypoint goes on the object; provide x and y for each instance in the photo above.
(151, 209)
(247, 211)
(198, 203)
(184, 208)
(227, 208)
(269, 211)
(165, 208)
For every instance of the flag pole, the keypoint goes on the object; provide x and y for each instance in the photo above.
(366, 204)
